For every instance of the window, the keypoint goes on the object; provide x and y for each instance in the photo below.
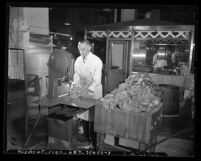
(161, 56)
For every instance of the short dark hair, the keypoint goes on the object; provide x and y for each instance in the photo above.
(87, 41)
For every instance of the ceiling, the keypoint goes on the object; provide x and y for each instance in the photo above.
(82, 17)
(78, 17)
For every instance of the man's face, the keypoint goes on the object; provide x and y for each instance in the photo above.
(84, 49)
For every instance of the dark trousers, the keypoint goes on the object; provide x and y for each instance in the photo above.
(89, 131)
(86, 129)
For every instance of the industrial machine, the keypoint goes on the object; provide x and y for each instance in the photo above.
(47, 74)
(60, 72)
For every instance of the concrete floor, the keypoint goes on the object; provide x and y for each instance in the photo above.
(174, 138)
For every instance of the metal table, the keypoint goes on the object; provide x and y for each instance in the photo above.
(80, 102)
(83, 104)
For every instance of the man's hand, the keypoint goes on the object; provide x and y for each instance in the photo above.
(84, 92)
(87, 93)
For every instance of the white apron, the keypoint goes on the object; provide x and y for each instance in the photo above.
(85, 79)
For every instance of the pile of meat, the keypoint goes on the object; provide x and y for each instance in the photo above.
(75, 91)
(138, 94)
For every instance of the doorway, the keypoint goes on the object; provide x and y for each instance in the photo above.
(117, 62)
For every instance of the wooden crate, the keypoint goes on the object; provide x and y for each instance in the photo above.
(141, 127)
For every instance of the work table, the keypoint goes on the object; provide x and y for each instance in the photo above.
(80, 102)
(61, 123)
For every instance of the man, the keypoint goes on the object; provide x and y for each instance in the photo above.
(177, 55)
(159, 62)
(88, 72)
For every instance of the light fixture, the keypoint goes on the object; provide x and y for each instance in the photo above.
(106, 10)
(148, 15)
(67, 23)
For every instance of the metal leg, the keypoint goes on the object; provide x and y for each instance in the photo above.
(92, 134)
(100, 141)
(116, 141)
(70, 133)
(153, 144)
(86, 127)
(26, 124)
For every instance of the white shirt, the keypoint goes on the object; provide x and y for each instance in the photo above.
(88, 73)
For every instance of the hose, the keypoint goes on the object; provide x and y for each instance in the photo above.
(30, 134)
(38, 117)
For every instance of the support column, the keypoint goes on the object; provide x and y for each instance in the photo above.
(115, 15)
(156, 14)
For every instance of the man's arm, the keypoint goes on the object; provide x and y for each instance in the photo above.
(76, 78)
(97, 76)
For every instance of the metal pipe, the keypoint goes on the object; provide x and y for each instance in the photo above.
(131, 49)
(107, 62)
(57, 33)
(192, 45)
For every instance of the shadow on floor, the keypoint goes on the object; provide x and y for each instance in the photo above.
(181, 127)
(16, 132)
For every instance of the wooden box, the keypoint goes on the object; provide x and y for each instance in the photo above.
(141, 127)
